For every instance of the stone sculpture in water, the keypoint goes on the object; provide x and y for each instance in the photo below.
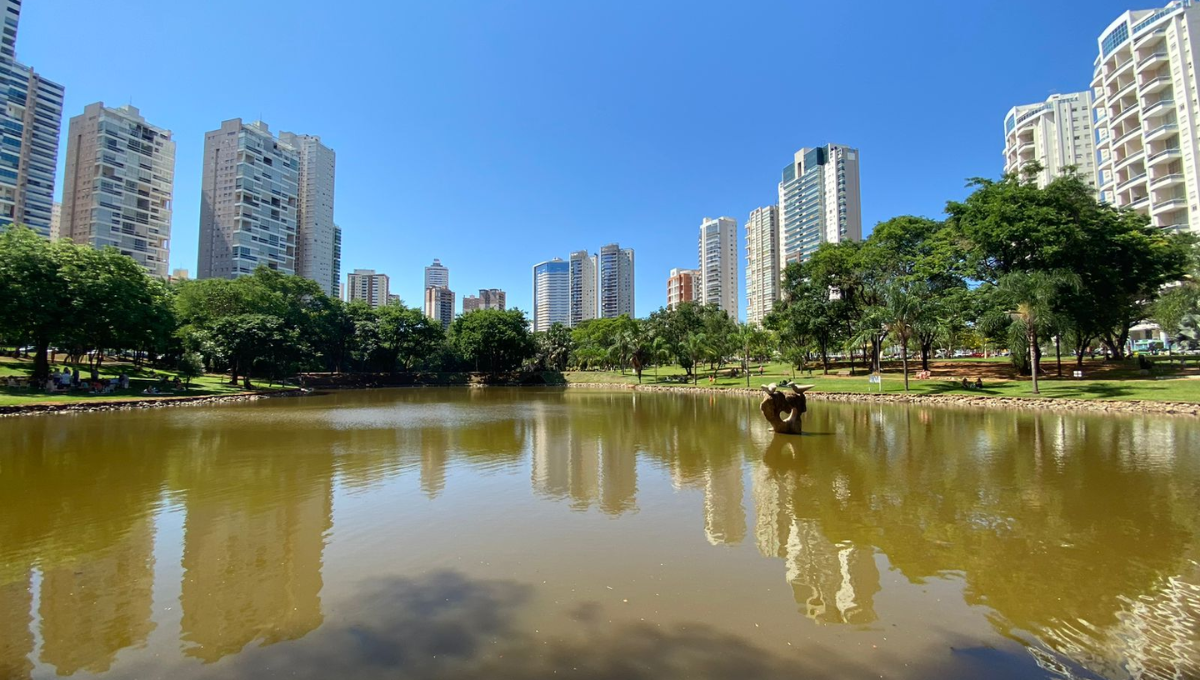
(782, 410)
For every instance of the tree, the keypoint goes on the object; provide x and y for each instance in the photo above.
(408, 336)
(1173, 308)
(493, 339)
(1030, 299)
(695, 348)
(191, 365)
(555, 347)
(903, 309)
(249, 341)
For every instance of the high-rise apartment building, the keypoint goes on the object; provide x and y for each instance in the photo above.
(551, 294)
(718, 264)
(31, 109)
(439, 305)
(762, 263)
(1057, 133)
(819, 201)
(316, 234)
(614, 281)
(368, 286)
(681, 287)
(437, 275)
(337, 262)
(249, 202)
(118, 185)
(583, 287)
(56, 220)
(488, 298)
(1147, 115)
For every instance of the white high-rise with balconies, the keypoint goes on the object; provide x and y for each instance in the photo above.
(1147, 114)
(368, 286)
(1057, 133)
(317, 240)
(762, 263)
(819, 201)
(614, 281)
(717, 248)
(118, 184)
(583, 287)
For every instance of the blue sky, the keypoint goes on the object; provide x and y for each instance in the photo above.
(494, 135)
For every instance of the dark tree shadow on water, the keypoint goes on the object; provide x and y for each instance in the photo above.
(446, 626)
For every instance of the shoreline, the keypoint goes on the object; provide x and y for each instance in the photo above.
(51, 408)
(1166, 408)
(1163, 408)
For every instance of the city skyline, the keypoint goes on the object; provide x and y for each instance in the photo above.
(896, 180)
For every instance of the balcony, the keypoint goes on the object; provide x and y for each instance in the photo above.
(1139, 203)
(1160, 156)
(1166, 181)
(1158, 107)
(1124, 114)
(1126, 89)
(1118, 69)
(1168, 205)
(1131, 181)
(1024, 147)
(1151, 59)
(1158, 84)
(1161, 132)
(1126, 160)
(1126, 136)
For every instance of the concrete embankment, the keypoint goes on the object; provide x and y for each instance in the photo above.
(945, 400)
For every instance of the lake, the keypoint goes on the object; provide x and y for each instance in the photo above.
(534, 533)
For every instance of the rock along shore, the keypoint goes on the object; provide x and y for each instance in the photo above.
(91, 406)
(941, 400)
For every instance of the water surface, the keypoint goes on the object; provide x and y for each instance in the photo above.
(526, 533)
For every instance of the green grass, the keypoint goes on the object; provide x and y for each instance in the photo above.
(1168, 388)
(139, 379)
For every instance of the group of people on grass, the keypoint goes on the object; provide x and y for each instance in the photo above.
(63, 382)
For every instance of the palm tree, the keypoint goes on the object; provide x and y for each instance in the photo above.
(695, 347)
(1031, 296)
(620, 348)
(660, 351)
(903, 312)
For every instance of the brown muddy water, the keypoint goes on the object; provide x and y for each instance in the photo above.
(537, 533)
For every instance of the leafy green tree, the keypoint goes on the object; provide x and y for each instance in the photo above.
(493, 339)
(1173, 308)
(250, 341)
(555, 347)
(191, 365)
(408, 336)
(695, 349)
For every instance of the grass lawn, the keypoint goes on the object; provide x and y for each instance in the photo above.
(1168, 388)
(139, 379)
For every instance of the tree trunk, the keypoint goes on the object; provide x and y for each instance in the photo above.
(1058, 353)
(41, 367)
(1033, 357)
(904, 362)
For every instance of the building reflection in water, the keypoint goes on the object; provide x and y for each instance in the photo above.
(577, 462)
(16, 624)
(252, 559)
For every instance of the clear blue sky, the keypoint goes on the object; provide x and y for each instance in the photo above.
(494, 135)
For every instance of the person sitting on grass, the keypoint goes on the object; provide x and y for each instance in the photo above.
(965, 385)
(979, 383)
(150, 390)
(176, 384)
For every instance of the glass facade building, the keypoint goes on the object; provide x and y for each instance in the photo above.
(30, 121)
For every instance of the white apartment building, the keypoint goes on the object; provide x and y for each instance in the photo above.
(249, 202)
(56, 220)
(717, 248)
(316, 234)
(583, 282)
(1057, 133)
(31, 109)
(551, 294)
(819, 201)
(762, 263)
(439, 305)
(1148, 115)
(368, 286)
(681, 287)
(118, 185)
(437, 275)
(615, 281)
